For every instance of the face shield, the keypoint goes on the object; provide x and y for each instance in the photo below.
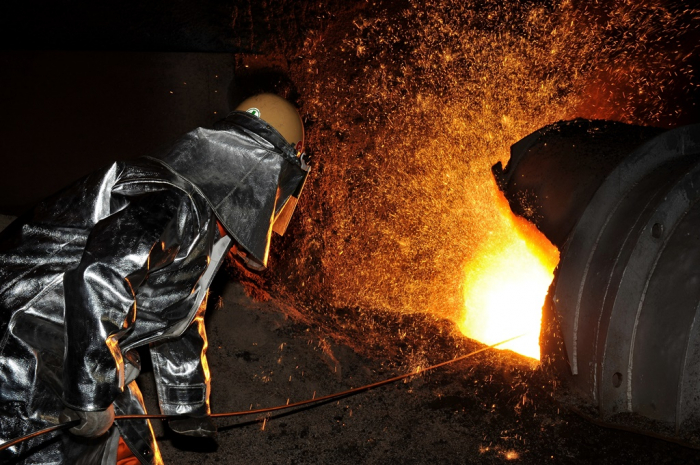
(288, 196)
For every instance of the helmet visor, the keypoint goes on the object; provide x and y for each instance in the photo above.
(288, 203)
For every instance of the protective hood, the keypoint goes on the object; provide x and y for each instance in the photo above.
(247, 172)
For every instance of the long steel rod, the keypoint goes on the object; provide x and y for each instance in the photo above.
(337, 395)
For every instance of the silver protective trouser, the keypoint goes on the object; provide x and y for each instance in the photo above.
(123, 258)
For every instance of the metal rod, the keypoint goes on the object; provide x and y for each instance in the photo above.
(35, 434)
(337, 395)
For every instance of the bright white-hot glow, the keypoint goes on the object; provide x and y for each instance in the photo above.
(506, 284)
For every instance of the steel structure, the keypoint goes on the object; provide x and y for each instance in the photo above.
(627, 289)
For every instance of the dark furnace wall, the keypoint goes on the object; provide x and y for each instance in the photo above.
(85, 83)
(66, 114)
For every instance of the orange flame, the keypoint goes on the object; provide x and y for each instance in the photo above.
(507, 281)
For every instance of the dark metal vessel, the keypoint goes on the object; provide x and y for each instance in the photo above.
(621, 203)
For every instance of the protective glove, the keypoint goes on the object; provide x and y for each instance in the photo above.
(92, 424)
(199, 427)
(250, 262)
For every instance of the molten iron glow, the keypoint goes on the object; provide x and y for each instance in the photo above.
(506, 284)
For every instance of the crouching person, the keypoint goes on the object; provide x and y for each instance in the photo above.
(122, 259)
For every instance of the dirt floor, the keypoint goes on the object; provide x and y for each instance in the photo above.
(496, 407)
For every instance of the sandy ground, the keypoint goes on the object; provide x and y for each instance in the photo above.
(498, 407)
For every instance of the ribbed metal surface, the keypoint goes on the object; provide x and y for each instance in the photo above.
(627, 292)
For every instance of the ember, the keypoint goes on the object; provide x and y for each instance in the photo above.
(409, 104)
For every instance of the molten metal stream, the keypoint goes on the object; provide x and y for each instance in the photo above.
(507, 281)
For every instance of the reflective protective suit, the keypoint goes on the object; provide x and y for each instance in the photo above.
(121, 259)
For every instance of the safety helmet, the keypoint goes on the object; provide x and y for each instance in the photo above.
(281, 115)
(278, 113)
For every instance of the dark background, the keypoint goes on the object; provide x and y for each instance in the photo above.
(85, 83)
(130, 25)
(68, 113)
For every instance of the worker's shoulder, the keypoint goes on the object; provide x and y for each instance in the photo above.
(149, 174)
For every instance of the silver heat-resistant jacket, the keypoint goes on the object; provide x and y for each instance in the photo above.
(123, 258)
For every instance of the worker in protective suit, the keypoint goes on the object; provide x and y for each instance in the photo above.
(124, 258)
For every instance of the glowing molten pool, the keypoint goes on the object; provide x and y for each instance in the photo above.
(506, 283)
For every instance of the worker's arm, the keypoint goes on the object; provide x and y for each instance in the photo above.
(182, 378)
(100, 293)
